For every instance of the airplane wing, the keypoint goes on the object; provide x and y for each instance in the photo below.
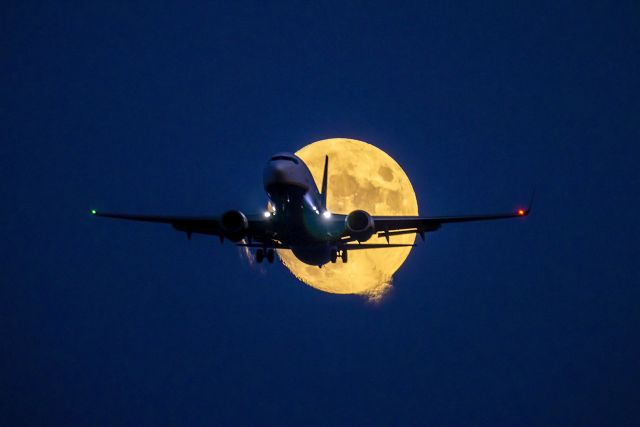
(349, 246)
(387, 226)
(209, 225)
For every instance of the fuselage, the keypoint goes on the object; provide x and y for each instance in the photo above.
(300, 219)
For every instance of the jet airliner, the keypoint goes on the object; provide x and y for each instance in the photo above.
(298, 219)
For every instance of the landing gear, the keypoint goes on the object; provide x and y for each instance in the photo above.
(334, 255)
(262, 253)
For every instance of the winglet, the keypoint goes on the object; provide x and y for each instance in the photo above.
(533, 194)
(323, 191)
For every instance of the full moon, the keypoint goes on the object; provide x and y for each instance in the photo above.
(361, 176)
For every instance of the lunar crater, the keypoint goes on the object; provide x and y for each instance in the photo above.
(385, 173)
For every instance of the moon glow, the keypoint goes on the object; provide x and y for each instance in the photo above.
(361, 176)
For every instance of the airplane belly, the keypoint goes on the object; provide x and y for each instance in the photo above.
(312, 254)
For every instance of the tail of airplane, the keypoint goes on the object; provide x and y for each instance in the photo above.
(323, 191)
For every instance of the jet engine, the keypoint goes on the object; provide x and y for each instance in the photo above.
(360, 225)
(234, 224)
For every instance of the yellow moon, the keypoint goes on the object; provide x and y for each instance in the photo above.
(361, 176)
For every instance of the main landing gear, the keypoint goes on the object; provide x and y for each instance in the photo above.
(343, 256)
(262, 253)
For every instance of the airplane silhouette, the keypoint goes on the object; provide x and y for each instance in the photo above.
(299, 219)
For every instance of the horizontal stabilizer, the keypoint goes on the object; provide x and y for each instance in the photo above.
(356, 246)
(269, 245)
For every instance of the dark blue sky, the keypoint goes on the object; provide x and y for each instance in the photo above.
(173, 108)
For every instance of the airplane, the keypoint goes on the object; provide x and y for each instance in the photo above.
(298, 219)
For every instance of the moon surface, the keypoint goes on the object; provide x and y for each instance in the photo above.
(361, 176)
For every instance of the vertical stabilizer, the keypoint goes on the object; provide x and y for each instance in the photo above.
(323, 191)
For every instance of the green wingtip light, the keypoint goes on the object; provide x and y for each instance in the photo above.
(93, 211)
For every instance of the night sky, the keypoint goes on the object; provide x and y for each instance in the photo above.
(174, 108)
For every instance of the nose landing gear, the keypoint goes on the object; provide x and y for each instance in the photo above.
(262, 253)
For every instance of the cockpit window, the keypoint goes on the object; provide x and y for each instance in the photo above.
(291, 159)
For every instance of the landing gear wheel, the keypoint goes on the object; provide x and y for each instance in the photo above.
(334, 256)
(259, 256)
(344, 256)
(270, 256)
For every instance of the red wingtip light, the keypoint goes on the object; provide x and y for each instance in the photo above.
(521, 212)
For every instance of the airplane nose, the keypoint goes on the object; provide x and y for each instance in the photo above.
(284, 176)
(275, 172)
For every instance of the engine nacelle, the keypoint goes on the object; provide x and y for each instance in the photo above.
(234, 224)
(360, 225)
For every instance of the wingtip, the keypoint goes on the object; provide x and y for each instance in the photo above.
(527, 211)
(93, 212)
